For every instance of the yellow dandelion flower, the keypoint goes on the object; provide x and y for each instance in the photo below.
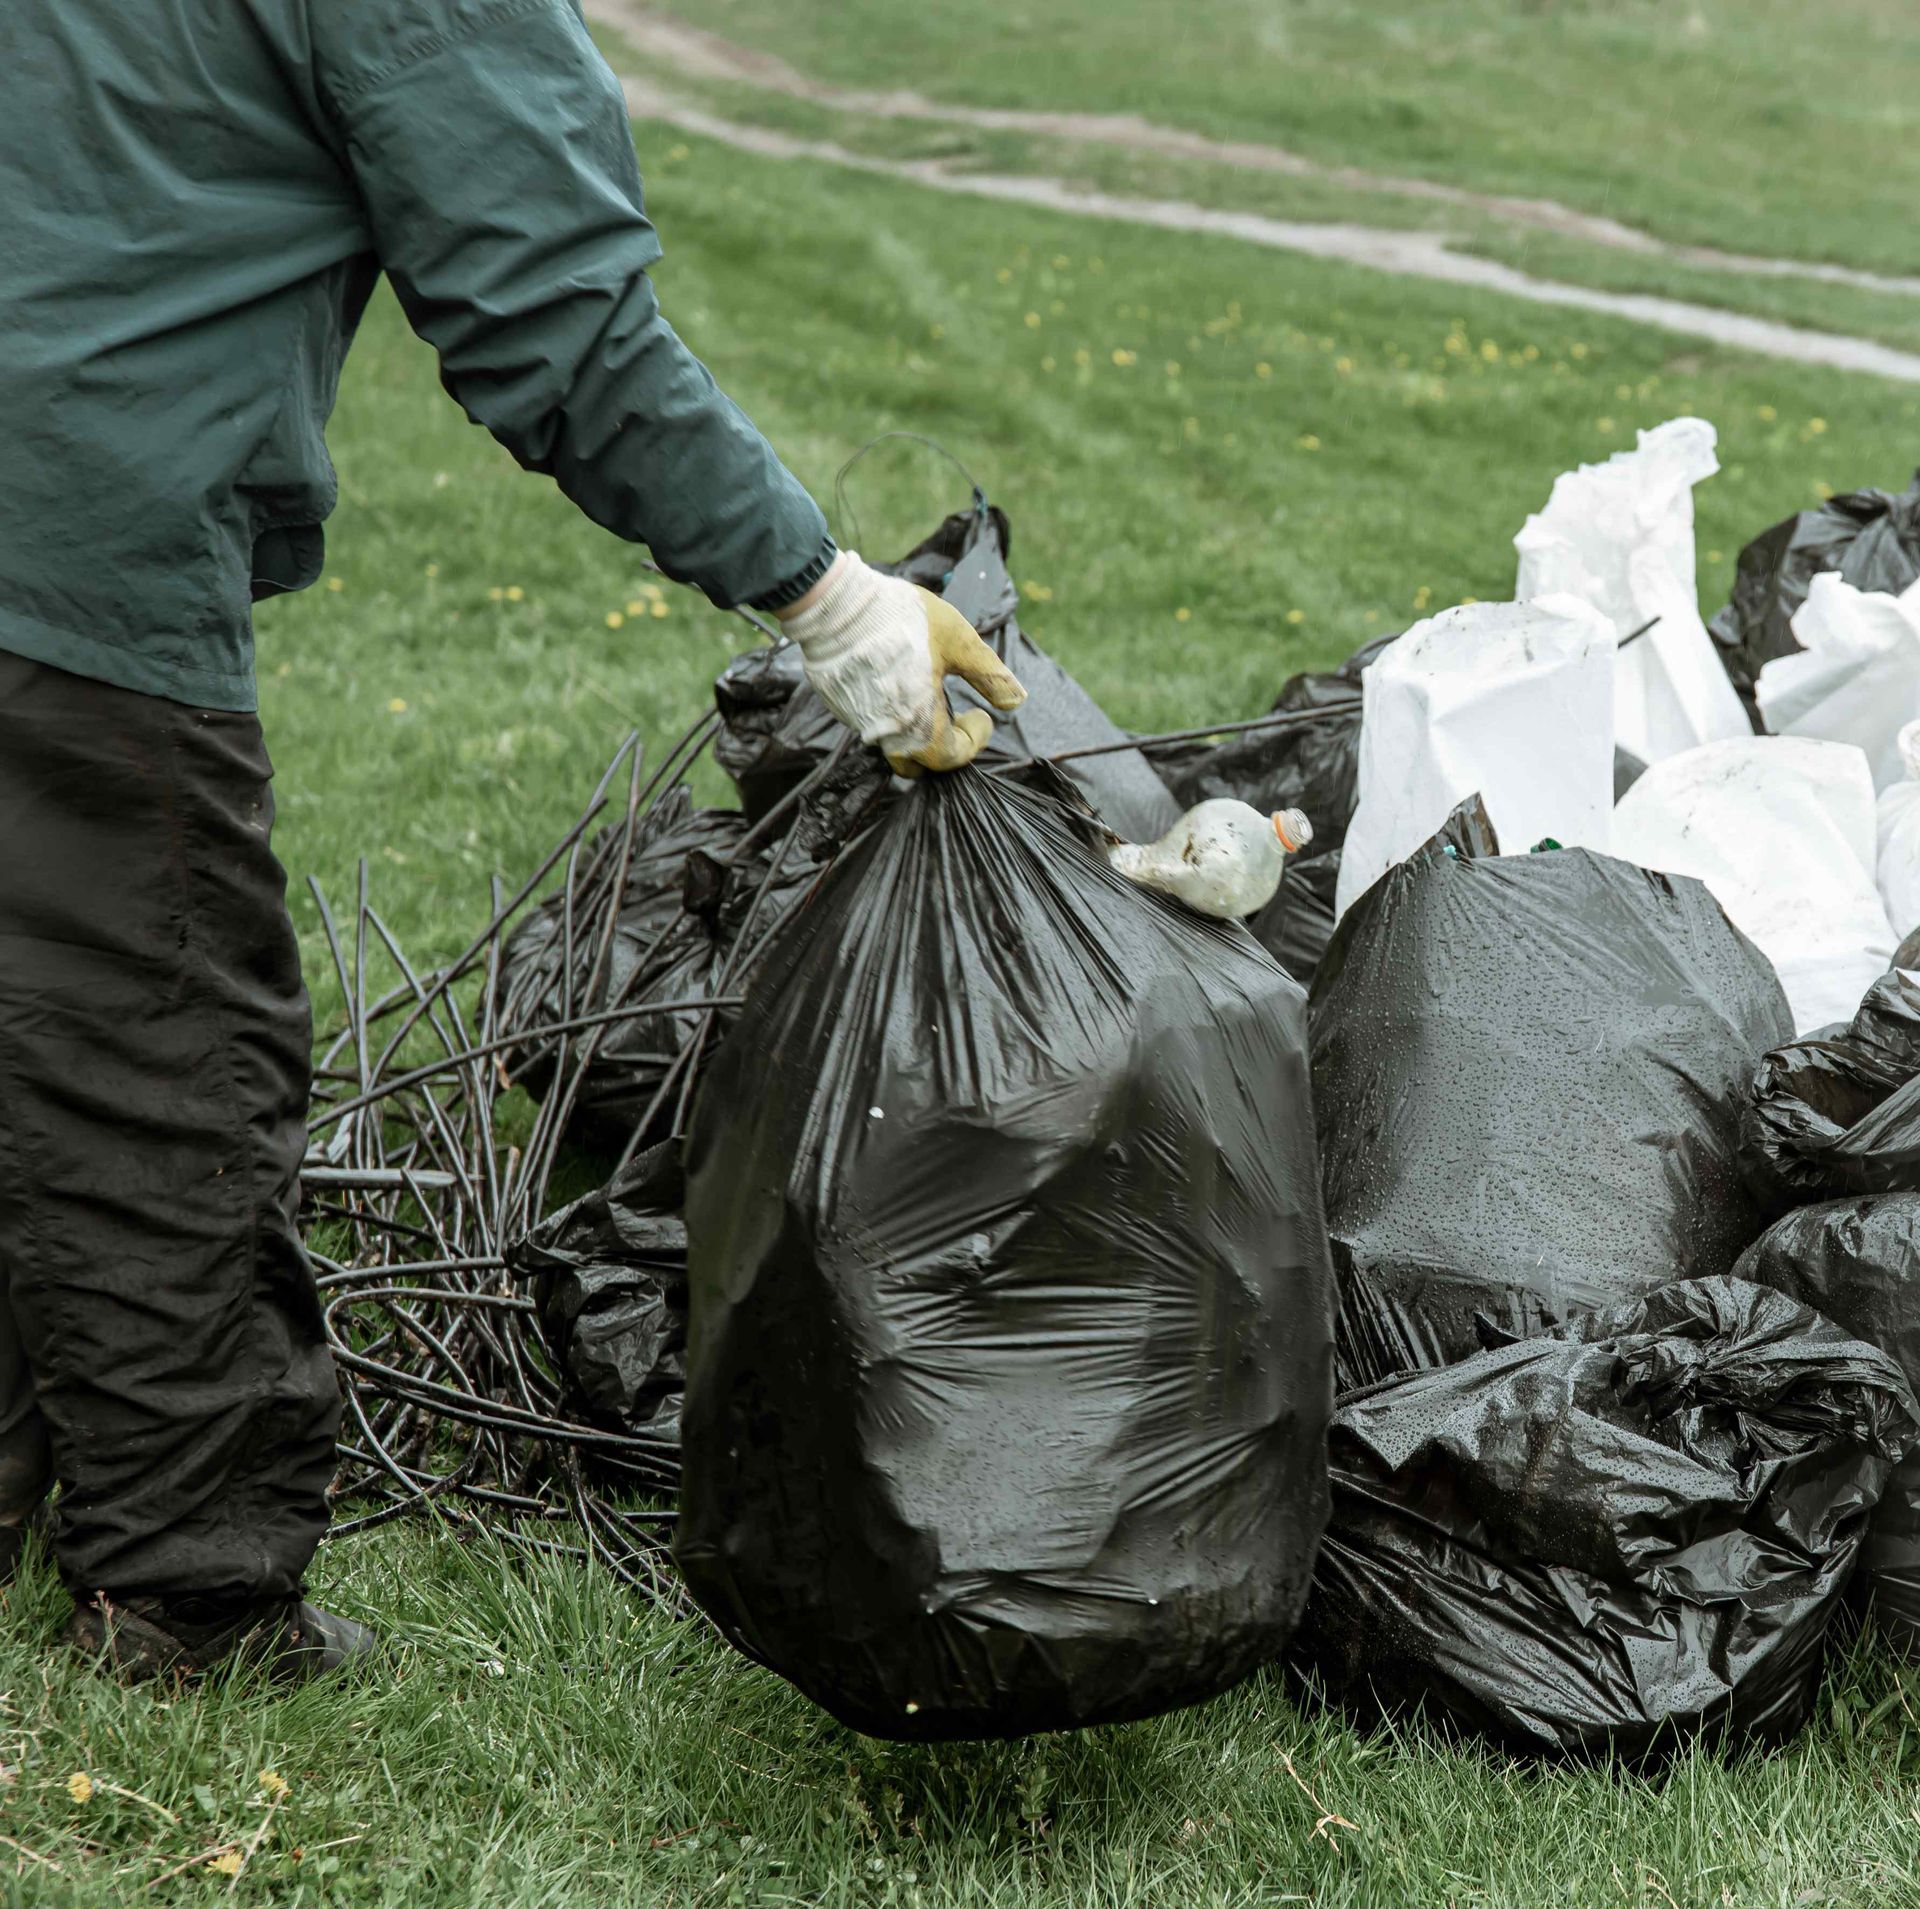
(1190, 428)
(678, 152)
(1182, 614)
(1465, 600)
(1123, 357)
(1309, 442)
(285, 669)
(936, 330)
(433, 569)
(614, 619)
(1296, 616)
(1173, 367)
(652, 592)
(1822, 489)
(1343, 366)
(496, 595)
(1046, 364)
(1768, 414)
(1061, 261)
(1623, 391)
(1083, 356)
(1058, 307)
(1531, 353)
(274, 1784)
(1033, 321)
(336, 583)
(1713, 556)
(397, 706)
(1422, 597)
(80, 1787)
(515, 594)
(638, 607)
(662, 609)
(1263, 369)
(1816, 425)
(1005, 275)
(1577, 351)
(228, 1863)
(1604, 426)
(1489, 351)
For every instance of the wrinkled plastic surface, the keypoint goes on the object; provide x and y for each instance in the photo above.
(1608, 1542)
(1528, 1074)
(774, 729)
(1897, 820)
(1619, 535)
(1010, 1357)
(1512, 702)
(681, 910)
(1856, 680)
(609, 1276)
(1857, 1262)
(1782, 829)
(1840, 1113)
(1871, 537)
(1313, 767)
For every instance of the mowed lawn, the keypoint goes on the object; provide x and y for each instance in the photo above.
(1295, 457)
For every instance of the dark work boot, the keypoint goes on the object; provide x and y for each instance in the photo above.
(142, 1637)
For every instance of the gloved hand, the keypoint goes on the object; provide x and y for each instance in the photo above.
(878, 649)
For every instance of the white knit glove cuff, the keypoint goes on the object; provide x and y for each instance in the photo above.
(865, 645)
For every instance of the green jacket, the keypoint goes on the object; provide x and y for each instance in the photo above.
(196, 198)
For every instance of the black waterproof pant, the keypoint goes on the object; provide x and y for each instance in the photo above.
(161, 1352)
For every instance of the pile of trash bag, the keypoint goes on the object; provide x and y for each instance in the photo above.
(1010, 1357)
(1857, 1262)
(1870, 537)
(1604, 1540)
(609, 1279)
(775, 730)
(1312, 766)
(686, 895)
(1529, 1074)
(1840, 1113)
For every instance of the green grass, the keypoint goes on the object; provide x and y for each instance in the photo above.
(1754, 125)
(542, 1739)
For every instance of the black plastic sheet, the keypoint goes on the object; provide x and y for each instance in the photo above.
(1010, 1363)
(1840, 1113)
(1528, 1076)
(1857, 1262)
(609, 1276)
(1314, 767)
(775, 729)
(680, 909)
(1610, 1540)
(1870, 536)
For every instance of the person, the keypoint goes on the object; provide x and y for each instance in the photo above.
(198, 198)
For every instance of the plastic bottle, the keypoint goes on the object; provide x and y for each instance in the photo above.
(1222, 858)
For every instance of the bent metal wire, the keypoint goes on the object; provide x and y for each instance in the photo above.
(421, 1174)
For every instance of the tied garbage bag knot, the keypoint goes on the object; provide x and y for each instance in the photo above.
(1009, 1352)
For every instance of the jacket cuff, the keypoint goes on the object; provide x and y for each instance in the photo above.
(797, 585)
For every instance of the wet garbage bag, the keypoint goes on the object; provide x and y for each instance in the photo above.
(1611, 1539)
(1840, 1112)
(1312, 766)
(1528, 1074)
(1857, 1262)
(681, 908)
(1010, 1344)
(609, 1279)
(1871, 537)
(775, 730)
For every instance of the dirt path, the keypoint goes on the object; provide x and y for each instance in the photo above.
(1420, 255)
(702, 55)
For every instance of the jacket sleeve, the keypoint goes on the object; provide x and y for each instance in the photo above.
(492, 147)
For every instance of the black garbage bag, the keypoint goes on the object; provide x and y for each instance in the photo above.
(609, 1279)
(680, 911)
(1857, 1262)
(1313, 767)
(1840, 1113)
(1870, 536)
(1528, 1075)
(1010, 1359)
(1613, 1538)
(775, 730)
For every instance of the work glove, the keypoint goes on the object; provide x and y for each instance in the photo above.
(879, 649)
